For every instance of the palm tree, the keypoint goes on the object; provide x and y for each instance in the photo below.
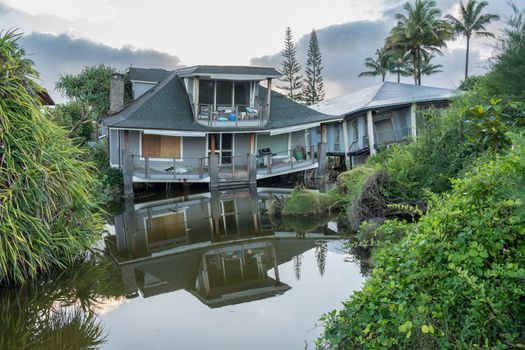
(422, 29)
(381, 65)
(472, 21)
(427, 67)
(401, 62)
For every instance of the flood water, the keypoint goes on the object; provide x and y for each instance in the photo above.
(195, 272)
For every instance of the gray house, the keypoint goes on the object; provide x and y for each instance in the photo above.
(376, 117)
(212, 124)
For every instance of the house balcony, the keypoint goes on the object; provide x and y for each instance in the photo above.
(224, 116)
(230, 169)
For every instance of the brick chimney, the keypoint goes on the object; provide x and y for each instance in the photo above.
(116, 93)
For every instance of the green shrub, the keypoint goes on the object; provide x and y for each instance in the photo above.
(447, 146)
(48, 217)
(456, 279)
(303, 202)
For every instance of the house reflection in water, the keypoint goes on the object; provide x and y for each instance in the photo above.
(220, 247)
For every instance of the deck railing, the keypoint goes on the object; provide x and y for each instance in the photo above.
(162, 168)
(233, 168)
(228, 168)
(232, 116)
(287, 159)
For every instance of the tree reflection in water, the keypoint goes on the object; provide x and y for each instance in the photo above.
(59, 311)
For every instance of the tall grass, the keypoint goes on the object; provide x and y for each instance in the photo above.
(47, 215)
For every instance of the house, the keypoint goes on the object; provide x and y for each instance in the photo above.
(377, 116)
(212, 124)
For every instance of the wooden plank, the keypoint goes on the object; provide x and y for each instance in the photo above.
(151, 145)
(170, 147)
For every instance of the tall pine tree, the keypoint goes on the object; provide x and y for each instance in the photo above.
(290, 68)
(313, 90)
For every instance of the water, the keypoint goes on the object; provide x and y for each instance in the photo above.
(196, 272)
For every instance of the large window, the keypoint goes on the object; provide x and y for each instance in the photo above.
(224, 93)
(384, 130)
(206, 91)
(242, 93)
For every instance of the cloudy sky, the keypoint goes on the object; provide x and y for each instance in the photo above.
(62, 36)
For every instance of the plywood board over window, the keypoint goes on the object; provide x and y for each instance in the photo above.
(157, 146)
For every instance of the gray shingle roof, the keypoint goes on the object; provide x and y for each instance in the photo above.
(268, 72)
(385, 94)
(145, 74)
(167, 107)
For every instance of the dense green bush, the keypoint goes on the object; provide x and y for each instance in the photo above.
(456, 279)
(47, 213)
(110, 180)
(302, 202)
(447, 145)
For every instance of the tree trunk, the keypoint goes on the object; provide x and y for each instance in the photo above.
(418, 66)
(398, 75)
(383, 76)
(466, 58)
(414, 61)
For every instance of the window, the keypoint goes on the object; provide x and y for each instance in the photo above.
(206, 91)
(242, 93)
(157, 146)
(223, 147)
(384, 131)
(224, 93)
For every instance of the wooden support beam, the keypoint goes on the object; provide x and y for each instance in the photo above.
(252, 143)
(212, 140)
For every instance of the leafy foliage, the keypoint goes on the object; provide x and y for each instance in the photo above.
(73, 117)
(304, 202)
(506, 76)
(90, 87)
(378, 66)
(456, 279)
(421, 30)
(47, 214)
(471, 22)
(448, 144)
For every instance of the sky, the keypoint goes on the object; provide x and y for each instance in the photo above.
(62, 36)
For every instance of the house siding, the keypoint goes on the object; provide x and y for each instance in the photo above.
(242, 144)
(140, 89)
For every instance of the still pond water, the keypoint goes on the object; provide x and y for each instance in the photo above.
(192, 272)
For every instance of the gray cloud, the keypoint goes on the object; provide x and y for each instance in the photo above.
(57, 54)
(344, 48)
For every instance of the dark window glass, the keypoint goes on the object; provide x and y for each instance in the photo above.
(224, 93)
(206, 92)
(226, 141)
(242, 93)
